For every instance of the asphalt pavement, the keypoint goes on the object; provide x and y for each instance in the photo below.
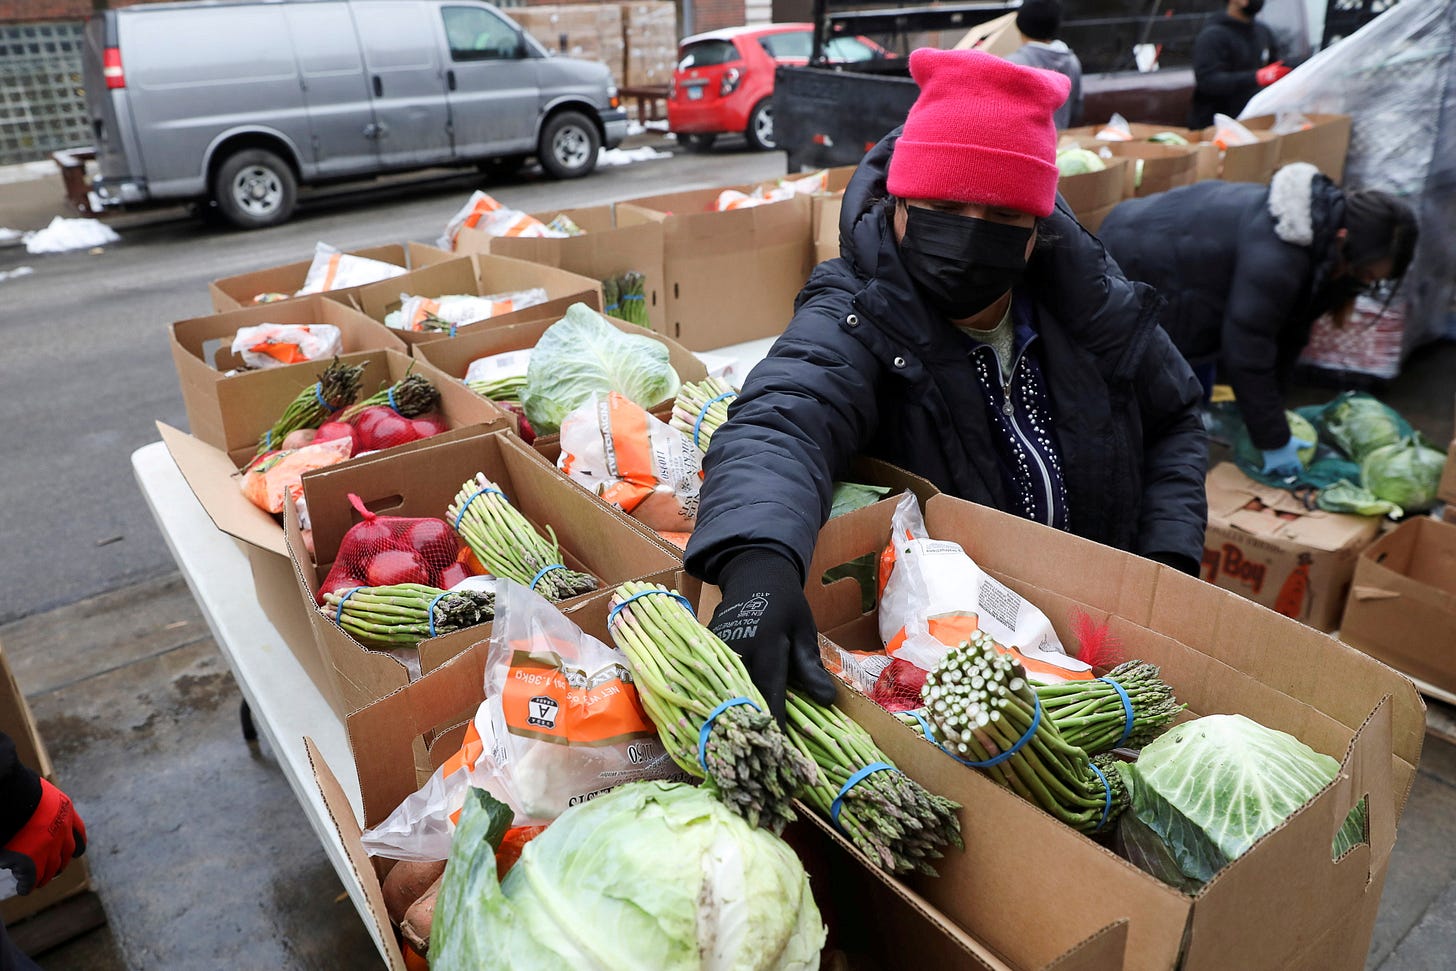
(86, 369)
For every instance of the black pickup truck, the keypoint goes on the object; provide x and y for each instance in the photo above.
(829, 114)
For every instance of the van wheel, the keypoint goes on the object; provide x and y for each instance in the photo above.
(254, 188)
(760, 130)
(697, 143)
(568, 146)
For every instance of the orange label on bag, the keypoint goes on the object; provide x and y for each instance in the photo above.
(332, 272)
(544, 701)
(284, 351)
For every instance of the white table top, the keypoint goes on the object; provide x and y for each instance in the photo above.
(285, 704)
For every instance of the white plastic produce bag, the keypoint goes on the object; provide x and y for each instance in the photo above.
(483, 212)
(274, 345)
(333, 270)
(561, 723)
(457, 310)
(936, 596)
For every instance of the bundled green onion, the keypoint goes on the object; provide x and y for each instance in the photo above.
(336, 388)
(411, 396)
(406, 613)
(1092, 716)
(710, 717)
(981, 709)
(508, 545)
(507, 389)
(886, 814)
(700, 408)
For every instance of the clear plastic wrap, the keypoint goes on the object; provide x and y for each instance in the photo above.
(1397, 78)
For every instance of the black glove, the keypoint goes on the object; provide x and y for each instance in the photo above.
(765, 618)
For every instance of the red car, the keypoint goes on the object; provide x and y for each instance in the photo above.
(725, 79)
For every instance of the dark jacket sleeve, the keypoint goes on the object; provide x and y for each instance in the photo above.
(19, 791)
(1264, 298)
(1211, 59)
(805, 411)
(1175, 457)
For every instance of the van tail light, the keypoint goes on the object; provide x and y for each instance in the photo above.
(731, 77)
(111, 68)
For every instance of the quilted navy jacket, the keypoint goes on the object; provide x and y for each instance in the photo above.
(866, 367)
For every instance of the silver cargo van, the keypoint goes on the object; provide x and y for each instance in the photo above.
(238, 103)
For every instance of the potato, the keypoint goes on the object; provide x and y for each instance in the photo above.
(299, 438)
(406, 883)
(415, 927)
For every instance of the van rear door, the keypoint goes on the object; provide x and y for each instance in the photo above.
(335, 88)
(407, 81)
(492, 79)
(111, 128)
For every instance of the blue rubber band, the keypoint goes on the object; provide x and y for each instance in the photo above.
(474, 496)
(996, 760)
(851, 782)
(545, 570)
(634, 296)
(698, 425)
(318, 393)
(339, 613)
(432, 611)
(391, 398)
(610, 307)
(1127, 712)
(1107, 788)
(929, 732)
(453, 328)
(612, 614)
(708, 727)
(268, 440)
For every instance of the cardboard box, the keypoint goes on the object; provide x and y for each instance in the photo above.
(233, 292)
(1221, 654)
(250, 409)
(1324, 144)
(998, 36)
(1262, 543)
(1402, 607)
(591, 31)
(730, 276)
(906, 932)
(481, 275)
(1239, 163)
(649, 30)
(445, 362)
(1162, 167)
(275, 584)
(202, 352)
(1446, 490)
(17, 721)
(607, 250)
(422, 481)
(824, 214)
(1092, 195)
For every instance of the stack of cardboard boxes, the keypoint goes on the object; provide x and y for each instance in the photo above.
(638, 41)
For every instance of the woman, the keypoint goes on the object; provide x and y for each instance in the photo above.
(1247, 269)
(973, 333)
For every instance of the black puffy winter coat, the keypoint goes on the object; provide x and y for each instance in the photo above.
(865, 367)
(1245, 270)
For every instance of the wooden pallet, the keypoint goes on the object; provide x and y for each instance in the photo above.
(58, 923)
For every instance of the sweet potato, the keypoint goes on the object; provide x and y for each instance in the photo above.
(415, 928)
(406, 883)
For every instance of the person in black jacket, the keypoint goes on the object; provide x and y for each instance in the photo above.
(1246, 270)
(971, 332)
(1233, 57)
(40, 833)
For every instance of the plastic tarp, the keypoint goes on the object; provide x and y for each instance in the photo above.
(1397, 78)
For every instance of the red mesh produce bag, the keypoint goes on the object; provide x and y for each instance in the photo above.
(384, 550)
(378, 427)
(898, 687)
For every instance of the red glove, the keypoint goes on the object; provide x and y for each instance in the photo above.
(47, 843)
(1270, 73)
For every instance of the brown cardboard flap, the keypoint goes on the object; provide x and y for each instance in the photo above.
(341, 816)
(18, 722)
(1278, 515)
(1364, 592)
(1105, 949)
(1095, 190)
(212, 477)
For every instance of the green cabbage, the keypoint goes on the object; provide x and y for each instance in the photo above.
(1079, 161)
(650, 875)
(1359, 424)
(1207, 790)
(1345, 496)
(582, 354)
(1167, 138)
(1406, 473)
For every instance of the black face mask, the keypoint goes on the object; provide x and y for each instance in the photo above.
(962, 264)
(1252, 7)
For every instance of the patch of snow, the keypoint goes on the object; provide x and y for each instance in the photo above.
(28, 172)
(18, 271)
(9, 235)
(626, 156)
(64, 235)
(635, 128)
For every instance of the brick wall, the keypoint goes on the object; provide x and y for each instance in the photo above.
(37, 11)
(713, 14)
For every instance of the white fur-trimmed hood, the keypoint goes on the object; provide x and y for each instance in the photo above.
(1291, 203)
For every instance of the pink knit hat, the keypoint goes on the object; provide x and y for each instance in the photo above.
(980, 131)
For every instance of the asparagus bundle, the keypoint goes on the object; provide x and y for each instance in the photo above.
(611, 297)
(508, 545)
(632, 298)
(981, 708)
(1091, 714)
(406, 613)
(337, 387)
(889, 816)
(700, 408)
(411, 396)
(710, 717)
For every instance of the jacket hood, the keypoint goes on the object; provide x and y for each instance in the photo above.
(1308, 210)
